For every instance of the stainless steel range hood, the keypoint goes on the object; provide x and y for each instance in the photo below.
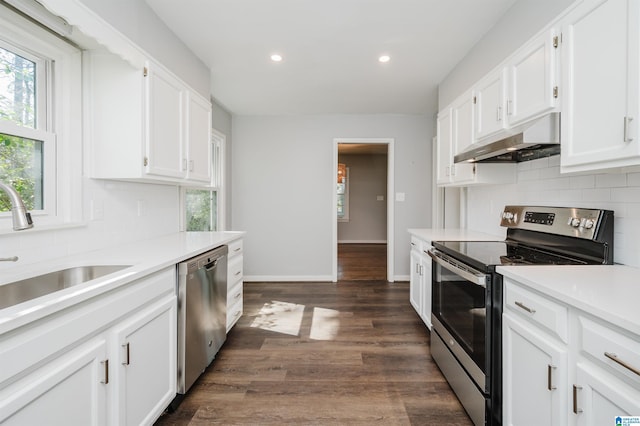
(537, 139)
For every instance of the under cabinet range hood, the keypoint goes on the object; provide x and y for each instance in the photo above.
(537, 139)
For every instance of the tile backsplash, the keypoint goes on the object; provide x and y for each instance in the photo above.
(115, 213)
(540, 182)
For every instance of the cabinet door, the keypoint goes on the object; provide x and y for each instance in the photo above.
(600, 101)
(463, 137)
(532, 78)
(534, 376)
(443, 161)
(426, 284)
(198, 139)
(164, 124)
(415, 284)
(70, 390)
(145, 364)
(489, 97)
(599, 397)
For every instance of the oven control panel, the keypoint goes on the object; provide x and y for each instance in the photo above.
(574, 222)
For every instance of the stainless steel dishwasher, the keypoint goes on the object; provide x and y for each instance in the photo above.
(202, 314)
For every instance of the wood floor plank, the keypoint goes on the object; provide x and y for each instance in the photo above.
(351, 353)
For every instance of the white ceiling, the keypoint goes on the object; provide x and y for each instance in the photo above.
(330, 50)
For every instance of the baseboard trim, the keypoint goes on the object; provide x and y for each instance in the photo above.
(287, 278)
(305, 278)
(362, 241)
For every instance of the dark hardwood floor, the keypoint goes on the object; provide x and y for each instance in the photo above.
(362, 262)
(351, 353)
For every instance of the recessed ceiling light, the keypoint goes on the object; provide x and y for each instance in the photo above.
(276, 58)
(384, 58)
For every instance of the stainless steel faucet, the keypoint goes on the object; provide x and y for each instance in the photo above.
(19, 214)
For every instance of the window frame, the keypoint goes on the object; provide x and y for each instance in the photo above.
(217, 183)
(345, 216)
(59, 126)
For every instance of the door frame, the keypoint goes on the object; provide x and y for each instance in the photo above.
(390, 201)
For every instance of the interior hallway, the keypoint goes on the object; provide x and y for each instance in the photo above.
(362, 262)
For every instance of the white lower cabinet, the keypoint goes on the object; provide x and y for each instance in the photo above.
(589, 380)
(109, 360)
(235, 284)
(69, 390)
(534, 375)
(420, 280)
(598, 397)
(145, 364)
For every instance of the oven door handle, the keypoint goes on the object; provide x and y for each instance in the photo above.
(458, 268)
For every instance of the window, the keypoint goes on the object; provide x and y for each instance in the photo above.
(343, 193)
(202, 206)
(40, 149)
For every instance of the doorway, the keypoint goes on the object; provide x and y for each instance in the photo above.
(365, 222)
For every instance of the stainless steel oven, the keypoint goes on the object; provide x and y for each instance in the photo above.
(463, 298)
(466, 341)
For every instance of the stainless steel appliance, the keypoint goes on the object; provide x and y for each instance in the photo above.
(467, 292)
(202, 313)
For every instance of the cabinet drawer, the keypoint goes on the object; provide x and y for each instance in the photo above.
(235, 248)
(417, 243)
(618, 351)
(234, 294)
(545, 313)
(234, 271)
(234, 313)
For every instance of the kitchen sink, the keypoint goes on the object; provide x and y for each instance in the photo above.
(30, 288)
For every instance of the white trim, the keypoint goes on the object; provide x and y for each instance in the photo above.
(402, 278)
(287, 278)
(63, 146)
(219, 181)
(390, 202)
(437, 194)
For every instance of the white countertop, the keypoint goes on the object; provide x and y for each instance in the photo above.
(146, 257)
(611, 292)
(430, 235)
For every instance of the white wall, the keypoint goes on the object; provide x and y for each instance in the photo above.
(124, 212)
(367, 215)
(283, 187)
(524, 19)
(136, 20)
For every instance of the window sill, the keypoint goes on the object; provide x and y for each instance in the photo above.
(43, 228)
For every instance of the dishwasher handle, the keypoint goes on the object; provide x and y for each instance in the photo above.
(212, 265)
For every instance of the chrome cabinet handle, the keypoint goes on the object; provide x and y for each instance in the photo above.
(627, 122)
(525, 307)
(126, 354)
(576, 410)
(105, 363)
(550, 369)
(613, 357)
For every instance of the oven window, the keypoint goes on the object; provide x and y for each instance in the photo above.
(460, 306)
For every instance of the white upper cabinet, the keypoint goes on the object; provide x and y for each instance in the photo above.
(532, 74)
(198, 138)
(165, 135)
(601, 93)
(455, 134)
(521, 90)
(490, 104)
(145, 124)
